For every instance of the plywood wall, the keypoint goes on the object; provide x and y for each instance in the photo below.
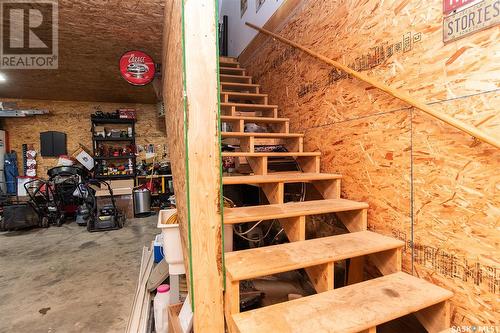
(427, 184)
(73, 118)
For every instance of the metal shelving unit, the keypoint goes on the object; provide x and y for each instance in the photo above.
(99, 160)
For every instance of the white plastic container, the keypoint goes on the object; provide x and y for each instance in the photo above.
(172, 246)
(160, 305)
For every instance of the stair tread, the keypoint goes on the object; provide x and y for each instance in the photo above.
(242, 94)
(236, 84)
(271, 154)
(234, 76)
(295, 177)
(291, 209)
(261, 135)
(353, 308)
(249, 107)
(232, 68)
(255, 119)
(268, 260)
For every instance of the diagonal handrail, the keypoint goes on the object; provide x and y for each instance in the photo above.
(467, 128)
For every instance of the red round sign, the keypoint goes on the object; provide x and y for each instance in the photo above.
(137, 68)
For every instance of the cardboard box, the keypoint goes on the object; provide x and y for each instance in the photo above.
(82, 156)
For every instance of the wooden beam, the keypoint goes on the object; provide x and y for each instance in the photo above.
(191, 97)
(405, 97)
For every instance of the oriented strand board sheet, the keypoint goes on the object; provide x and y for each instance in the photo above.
(373, 156)
(174, 116)
(369, 137)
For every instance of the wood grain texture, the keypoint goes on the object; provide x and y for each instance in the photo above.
(366, 136)
(93, 35)
(350, 309)
(268, 260)
(197, 139)
(73, 118)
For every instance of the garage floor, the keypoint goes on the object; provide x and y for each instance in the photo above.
(69, 280)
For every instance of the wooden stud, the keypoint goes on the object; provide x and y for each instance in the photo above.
(356, 269)
(275, 192)
(239, 126)
(321, 277)
(232, 297)
(435, 318)
(295, 228)
(247, 144)
(355, 220)
(387, 262)
(329, 189)
(258, 165)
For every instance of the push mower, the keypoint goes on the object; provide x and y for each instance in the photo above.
(108, 217)
(45, 202)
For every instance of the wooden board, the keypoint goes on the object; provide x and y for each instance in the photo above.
(350, 309)
(192, 127)
(288, 177)
(290, 209)
(367, 136)
(268, 260)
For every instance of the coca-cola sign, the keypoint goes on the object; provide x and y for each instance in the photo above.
(137, 68)
(451, 5)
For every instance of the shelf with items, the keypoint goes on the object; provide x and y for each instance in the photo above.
(114, 148)
(157, 184)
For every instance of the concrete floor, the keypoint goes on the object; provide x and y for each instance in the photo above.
(69, 280)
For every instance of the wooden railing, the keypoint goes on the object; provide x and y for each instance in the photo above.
(469, 129)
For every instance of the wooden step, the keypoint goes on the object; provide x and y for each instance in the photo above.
(227, 97)
(287, 177)
(226, 63)
(268, 260)
(260, 135)
(232, 70)
(239, 87)
(278, 125)
(290, 209)
(259, 162)
(239, 109)
(223, 59)
(294, 142)
(235, 78)
(354, 308)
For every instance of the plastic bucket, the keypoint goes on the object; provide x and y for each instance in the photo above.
(172, 246)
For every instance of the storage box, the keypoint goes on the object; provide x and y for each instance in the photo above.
(84, 158)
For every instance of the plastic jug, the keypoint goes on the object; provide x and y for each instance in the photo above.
(160, 304)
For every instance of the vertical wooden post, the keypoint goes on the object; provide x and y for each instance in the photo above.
(191, 96)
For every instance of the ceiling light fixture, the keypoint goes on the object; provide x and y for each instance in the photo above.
(3, 78)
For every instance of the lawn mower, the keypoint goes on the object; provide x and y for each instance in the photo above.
(107, 217)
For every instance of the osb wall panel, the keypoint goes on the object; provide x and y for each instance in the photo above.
(455, 179)
(371, 168)
(73, 118)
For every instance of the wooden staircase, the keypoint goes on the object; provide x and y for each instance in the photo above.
(359, 307)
